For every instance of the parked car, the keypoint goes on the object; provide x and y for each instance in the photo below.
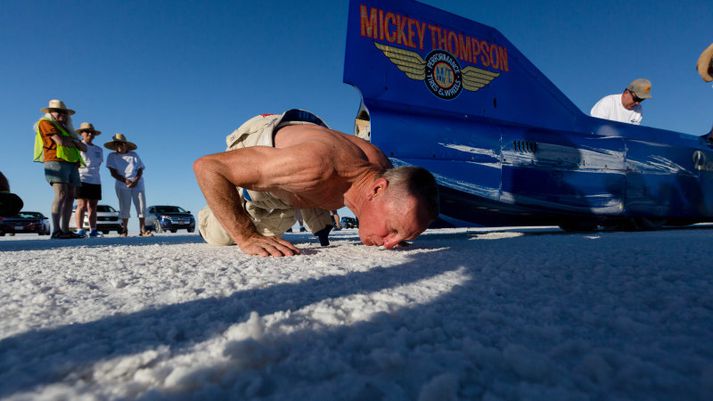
(161, 218)
(349, 222)
(107, 219)
(25, 222)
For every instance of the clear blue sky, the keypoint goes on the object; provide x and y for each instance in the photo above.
(177, 76)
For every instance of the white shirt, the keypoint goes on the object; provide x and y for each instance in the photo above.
(93, 158)
(610, 108)
(128, 165)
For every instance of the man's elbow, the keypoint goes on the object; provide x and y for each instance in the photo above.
(201, 166)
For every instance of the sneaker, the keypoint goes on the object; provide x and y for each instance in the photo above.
(65, 235)
(95, 234)
(81, 232)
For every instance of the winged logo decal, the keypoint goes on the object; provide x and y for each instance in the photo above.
(440, 71)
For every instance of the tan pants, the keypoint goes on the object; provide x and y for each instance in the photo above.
(270, 215)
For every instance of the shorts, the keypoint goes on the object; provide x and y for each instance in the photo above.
(271, 215)
(89, 191)
(62, 173)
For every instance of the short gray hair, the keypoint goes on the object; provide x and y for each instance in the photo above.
(417, 182)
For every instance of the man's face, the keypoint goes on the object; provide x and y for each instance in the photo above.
(59, 115)
(388, 221)
(88, 136)
(629, 100)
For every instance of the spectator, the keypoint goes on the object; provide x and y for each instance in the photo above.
(624, 107)
(89, 192)
(58, 147)
(128, 169)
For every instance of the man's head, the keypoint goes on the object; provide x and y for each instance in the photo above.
(637, 91)
(400, 206)
(58, 110)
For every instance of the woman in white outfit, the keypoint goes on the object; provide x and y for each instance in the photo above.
(127, 168)
(89, 193)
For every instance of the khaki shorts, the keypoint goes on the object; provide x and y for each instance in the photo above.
(270, 215)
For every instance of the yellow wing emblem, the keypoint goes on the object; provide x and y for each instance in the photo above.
(414, 67)
(476, 78)
(409, 62)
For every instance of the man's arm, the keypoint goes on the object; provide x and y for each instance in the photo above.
(257, 168)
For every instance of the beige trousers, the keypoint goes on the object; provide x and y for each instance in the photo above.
(270, 215)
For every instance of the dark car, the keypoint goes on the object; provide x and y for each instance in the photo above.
(25, 222)
(349, 222)
(169, 218)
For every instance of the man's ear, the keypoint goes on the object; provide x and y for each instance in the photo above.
(378, 187)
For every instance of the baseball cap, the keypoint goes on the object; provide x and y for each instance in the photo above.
(641, 88)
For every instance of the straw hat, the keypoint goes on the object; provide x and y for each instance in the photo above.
(705, 64)
(56, 104)
(117, 139)
(88, 127)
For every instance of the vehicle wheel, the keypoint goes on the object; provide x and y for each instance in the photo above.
(11, 234)
(579, 227)
(190, 230)
(157, 228)
(174, 230)
(2, 234)
(105, 232)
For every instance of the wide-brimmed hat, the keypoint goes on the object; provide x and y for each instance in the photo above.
(641, 88)
(88, 127)
(56, 104)
(117, 139)
(705, 64)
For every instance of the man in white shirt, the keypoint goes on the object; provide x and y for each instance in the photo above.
(624, 107)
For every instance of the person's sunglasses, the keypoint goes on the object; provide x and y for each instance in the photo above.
(636, 98)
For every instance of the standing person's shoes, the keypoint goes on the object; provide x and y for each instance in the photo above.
(81, 232)
(65, 235)
(95, 234)
(123, 232)
(146, 233)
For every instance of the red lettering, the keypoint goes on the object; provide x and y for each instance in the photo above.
(453, 43)
(411, 32)
(435, 32)
(484, 55)
(421, 33)
(368, 22)
(504, 59)
(381, 24)
(494, 56)
(401, 24)
(390, 37)
(464, 47)
(475, 50)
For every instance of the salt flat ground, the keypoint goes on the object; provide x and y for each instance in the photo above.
(491, 314)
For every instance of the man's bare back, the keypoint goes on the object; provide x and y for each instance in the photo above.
(324, 163)
(309, 167)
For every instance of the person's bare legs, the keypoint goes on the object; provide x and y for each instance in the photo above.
(125, 227)
(66, 212)
(92, 211)
(79, 213)
(61, 192)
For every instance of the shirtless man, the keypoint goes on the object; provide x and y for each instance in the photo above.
(298, 161)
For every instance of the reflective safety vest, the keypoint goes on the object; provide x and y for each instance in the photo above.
(70, 154)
